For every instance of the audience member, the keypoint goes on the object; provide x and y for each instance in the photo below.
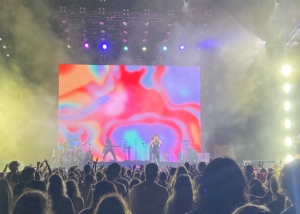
(197, 178)
(252, 209)
(74, 194)
(162, 179)
(222, 188)
(181, 200)
(134, 182)
(101, 188)
(28, 174)
(278, 203)
(61, 203)
(85, 189)
(289, 183)
(6, 197)
(33, 202)
(112, 173)
(35, 185)
(100, 176)
(148, 197)
(181, 170)
(248, 171)
(112, 204)
(13, 167)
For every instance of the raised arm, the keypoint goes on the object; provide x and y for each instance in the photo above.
(5, 168)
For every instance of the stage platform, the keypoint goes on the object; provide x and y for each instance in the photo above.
(106, 164)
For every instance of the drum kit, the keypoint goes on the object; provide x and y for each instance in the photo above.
(67, 153)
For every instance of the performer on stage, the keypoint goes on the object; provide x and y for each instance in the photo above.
(108, 148)
(155, 145)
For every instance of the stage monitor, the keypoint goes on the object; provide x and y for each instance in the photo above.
(128, 104)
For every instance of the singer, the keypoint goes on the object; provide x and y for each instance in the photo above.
(155, 145)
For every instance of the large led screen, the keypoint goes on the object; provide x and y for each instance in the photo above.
(129, 104)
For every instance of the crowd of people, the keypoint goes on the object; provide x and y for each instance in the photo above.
(219, 187)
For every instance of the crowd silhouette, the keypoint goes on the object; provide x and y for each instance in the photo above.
(218, 187)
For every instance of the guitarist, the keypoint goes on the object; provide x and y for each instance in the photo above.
(109, 148)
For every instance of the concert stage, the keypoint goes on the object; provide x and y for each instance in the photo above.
(119, 108)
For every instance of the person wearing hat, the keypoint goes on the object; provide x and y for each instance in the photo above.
(14, 167)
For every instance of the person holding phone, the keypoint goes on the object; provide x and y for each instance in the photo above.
(155, 151)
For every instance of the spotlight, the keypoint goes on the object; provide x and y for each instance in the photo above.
(144, 40)
(69, 46)
(146, 24)
(125, 48)
(182, 47)
(165, 48)
(125, 23)
(286, 70)
(277, 2)
(0, 39)
(286, 88)
(4, 47)
(287, 123)
(124, 40)
(86, 45)
(288, 141)
(257, 51)
(104, 46)
(287, 105)
(101, 23)
(264, 42)
(289, 158)
(7, 55)
(186, 1)
(144, 49)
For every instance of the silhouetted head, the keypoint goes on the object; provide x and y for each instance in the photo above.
(35, 185)
(88, 180)
(72, 190)
(274, 187)
(187, 166)
(14, 166)
(162, 176)
(134, 182)
(102, 188)
(6, 197)
(252, 209)
(87, 169)
(222, 187)
(289, 180)
(113, 171)
(33, 202)
(256, 188)
(201, 166)
(151, 171)
(137, 175)
(100, 175)
(183, 187)
(56, 187)
(112, 204)
(172, 171)
(28, 174)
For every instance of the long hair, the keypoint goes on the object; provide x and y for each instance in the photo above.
(222, 188)
(182, 197)
(33, 202)
(102, 188)
(72, 190)
(180, 171)
(6, 197)
(56, 187)
(112, 204)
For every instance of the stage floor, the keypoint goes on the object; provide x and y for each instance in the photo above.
(67, 165)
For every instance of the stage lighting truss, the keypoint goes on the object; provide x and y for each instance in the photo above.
(84, 23)
(294, 38)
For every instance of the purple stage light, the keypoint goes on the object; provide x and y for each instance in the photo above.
(86, 45)
(144, 40)
(104, 46)
(182, 47)
(124, 40)
(125, 32)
